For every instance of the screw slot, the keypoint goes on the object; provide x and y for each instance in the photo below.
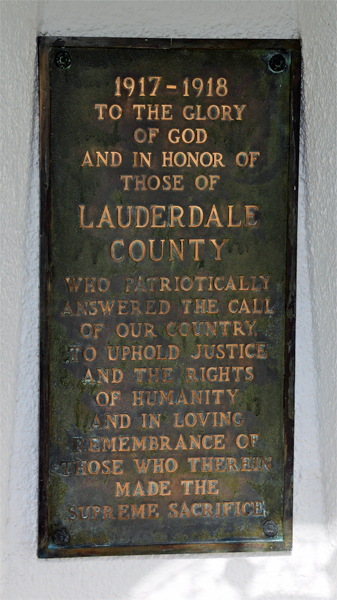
(63, 60)
(277, 63)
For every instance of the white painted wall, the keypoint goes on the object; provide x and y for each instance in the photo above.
(309, 572)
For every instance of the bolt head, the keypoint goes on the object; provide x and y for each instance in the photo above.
(270, 528)
(61, 537)
(277, 63)
(63, 60)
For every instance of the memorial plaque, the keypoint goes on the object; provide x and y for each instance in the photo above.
(168, 235)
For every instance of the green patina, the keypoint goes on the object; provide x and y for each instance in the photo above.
(84, 251)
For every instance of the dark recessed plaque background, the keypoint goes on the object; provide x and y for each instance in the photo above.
(167, 295)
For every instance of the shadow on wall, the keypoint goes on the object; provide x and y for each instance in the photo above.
(246, 577)
(249, 577)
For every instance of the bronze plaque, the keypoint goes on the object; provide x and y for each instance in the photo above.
(168, 233)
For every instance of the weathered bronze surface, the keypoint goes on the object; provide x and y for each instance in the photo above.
(168, 227)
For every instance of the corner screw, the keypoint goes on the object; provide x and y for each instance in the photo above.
(63, 60)
(277, 63)
(270, 528)
(61, 537)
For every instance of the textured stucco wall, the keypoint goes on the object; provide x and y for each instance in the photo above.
(309, 572)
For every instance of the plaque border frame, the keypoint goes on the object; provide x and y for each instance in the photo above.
(44, 46)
